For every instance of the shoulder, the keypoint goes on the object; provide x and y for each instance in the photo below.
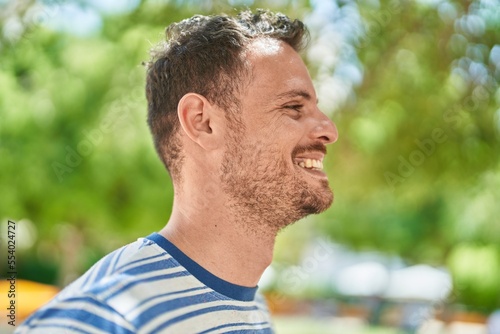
(135, 259)
(95, 300)
(80, 314)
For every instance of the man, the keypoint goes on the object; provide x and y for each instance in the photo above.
(234, 118)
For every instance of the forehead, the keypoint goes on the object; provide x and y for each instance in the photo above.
(276, 70)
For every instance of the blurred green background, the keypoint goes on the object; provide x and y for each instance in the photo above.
(412, 86)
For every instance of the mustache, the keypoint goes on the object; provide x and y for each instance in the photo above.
(312, 147)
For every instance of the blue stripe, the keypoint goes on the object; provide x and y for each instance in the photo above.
(105, 285)
(85, 317)
(235, 324)
(117, 258)
(148, 267)
(91, 300)
(144, 280)
(130, 264)
(87, 275)
(170, 294)
(172, 305)
(73, 328)
(103, 267)
(99, 268)
(200, 312)
(251, 331)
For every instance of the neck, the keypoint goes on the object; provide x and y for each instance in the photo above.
(219, 240)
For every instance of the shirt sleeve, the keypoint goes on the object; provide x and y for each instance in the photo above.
(84, 314)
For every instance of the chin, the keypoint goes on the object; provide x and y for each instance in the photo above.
(317, 202)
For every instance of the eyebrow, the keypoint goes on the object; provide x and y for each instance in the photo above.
(295, 93)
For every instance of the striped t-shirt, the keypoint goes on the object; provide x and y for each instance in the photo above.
(150, 286)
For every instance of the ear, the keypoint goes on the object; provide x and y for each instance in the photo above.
(198, 118)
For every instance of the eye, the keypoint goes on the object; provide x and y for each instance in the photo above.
(297, 110)
(296, 107)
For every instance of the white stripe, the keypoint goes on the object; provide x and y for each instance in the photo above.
(134, 312)
(66, 323)
(257, 316)
(91, 275)
(94, 309)
(148, 328)
(139, 278)
(137, 251)
(213, 319)
(240, 328)
(141, 256)
(113, 256)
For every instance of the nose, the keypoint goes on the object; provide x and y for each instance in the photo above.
(324, 129)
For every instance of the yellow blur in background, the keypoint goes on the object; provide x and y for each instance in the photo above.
(28, 297)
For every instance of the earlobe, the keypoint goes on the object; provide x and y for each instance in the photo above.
(197, 118)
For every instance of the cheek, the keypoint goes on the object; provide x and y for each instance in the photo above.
(266, 152)
(285, 126)
(290, 134)
(275, 139)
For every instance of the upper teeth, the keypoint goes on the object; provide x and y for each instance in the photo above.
(311, 163)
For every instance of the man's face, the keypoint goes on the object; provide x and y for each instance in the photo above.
(272, 166)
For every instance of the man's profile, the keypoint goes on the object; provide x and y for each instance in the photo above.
(234, 118)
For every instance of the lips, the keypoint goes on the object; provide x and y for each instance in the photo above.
(310, 159)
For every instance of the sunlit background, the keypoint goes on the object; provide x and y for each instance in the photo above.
(412, 242)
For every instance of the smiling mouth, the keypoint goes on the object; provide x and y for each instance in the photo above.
(310, 164)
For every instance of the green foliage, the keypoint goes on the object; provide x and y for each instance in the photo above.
(416, 168)
(476, 270)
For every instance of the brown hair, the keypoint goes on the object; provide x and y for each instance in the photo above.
(202, 55)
